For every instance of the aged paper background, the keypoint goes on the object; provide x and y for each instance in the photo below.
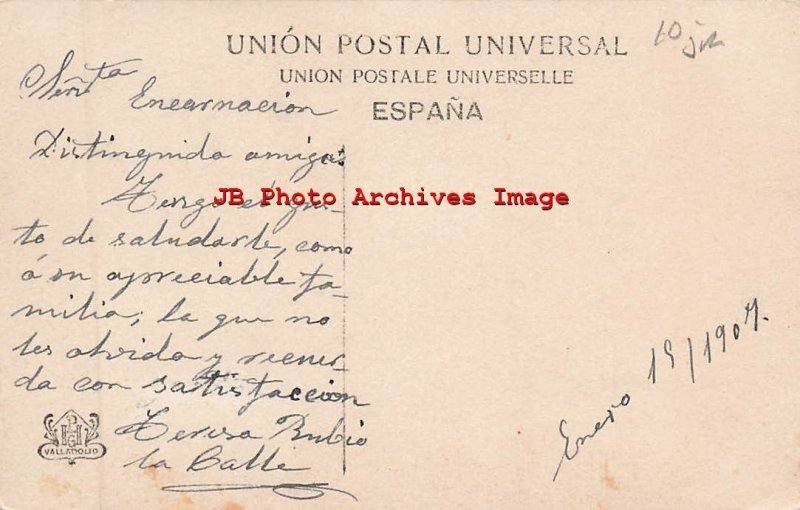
(471, 331)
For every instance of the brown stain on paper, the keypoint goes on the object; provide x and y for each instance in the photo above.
(151, 473)
(57, 487)
(160, 477)
(184, 502)
(609, 480)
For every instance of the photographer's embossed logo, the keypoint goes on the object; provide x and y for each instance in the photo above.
(71, 438)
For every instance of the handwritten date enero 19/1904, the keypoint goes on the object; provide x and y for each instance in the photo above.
(751, 319)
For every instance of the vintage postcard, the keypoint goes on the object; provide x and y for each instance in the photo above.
(400, 255)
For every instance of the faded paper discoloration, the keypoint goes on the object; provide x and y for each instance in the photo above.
(623, 338)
